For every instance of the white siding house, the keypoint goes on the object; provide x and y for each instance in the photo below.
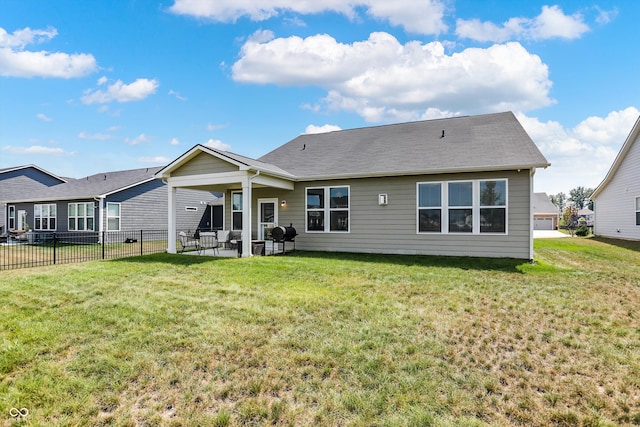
(617, 198)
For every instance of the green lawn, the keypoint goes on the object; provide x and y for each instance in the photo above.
(326, 339)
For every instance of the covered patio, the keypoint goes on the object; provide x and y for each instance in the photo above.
(208, 169)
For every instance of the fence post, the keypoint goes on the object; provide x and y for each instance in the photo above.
(103, 243)
(140, 242)
(55, 245)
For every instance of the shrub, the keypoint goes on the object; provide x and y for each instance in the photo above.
(582, 231)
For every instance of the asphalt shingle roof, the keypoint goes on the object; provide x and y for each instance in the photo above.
(96, 185)
(473, 143)
(542, 204)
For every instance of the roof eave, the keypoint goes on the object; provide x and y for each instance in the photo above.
(421, 172)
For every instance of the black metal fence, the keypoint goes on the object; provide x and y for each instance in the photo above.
(35, 249)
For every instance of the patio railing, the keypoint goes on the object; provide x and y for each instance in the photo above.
(33, 249)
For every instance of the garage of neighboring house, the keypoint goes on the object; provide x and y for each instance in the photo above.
(543, 223)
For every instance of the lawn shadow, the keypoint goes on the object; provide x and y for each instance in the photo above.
(175, 259)
(465, 263)
(633, 245)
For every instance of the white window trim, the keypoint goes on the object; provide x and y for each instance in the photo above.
(475, 229)
(48, 217)
(88, 207)
(327, 210)
(110, 216)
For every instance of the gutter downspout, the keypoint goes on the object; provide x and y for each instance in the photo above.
(531, 174)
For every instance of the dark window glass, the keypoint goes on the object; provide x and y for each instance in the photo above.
(493, 220)
(460, 194)
(315, 221)
(460, 220)
(430, 220)
(339, 221)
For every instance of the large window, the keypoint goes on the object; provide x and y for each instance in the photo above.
(236, 211)
(493, 206)
(113, 216)
(327, 209)
(81, 216)
(637, 210)
(44, 216)
(12, 218)
(430, 207)
(477, 207)
(460, 207)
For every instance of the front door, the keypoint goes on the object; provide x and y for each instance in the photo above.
(22, 219)
(267, 217)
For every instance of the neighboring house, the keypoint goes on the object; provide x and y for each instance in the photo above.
(617, 198)
(586, 214)
(16, 182)
(460, 187)
(545, 213)
(129, 200)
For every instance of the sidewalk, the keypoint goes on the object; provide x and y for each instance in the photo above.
(548, 234)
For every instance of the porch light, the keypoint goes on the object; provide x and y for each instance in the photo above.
(283, 203)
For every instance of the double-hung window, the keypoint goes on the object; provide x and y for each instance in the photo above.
(81, 216)
(44, 216)
(460, 207)
(113, 216)
(493, 206)
(637, 210)
(327, 209)
(430, 207)
(475, 207)
(12, 217)
(236, 210)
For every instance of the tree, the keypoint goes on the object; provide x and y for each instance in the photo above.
(570, 218)
(559, 200)
(579, 195)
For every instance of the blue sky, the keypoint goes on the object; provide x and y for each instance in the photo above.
(102, 85)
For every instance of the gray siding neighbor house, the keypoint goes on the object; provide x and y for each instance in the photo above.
(617, 198)
(460, 187)
(16, 182)
(129, 200)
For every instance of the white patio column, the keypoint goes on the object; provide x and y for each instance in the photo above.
(246, 216)
(171, 219)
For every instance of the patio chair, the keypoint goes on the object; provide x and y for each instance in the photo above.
(188, 242)
(208, 240)
(223, 238)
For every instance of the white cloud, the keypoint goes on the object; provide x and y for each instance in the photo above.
(17, 62)
(551, 23)
(417, 16)
(580, 156)
(121, 92)
(94, 136)
(159, 160)
(137, 140)
(43, 117)
(321, 129)
(213, 127)
(177, 95)
(217, 144)
(37, 150)
(384, 80)
(174, 141)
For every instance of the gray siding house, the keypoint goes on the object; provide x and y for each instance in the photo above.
(617, 198)
(460, 187)
(16, 182)
(129, 200)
